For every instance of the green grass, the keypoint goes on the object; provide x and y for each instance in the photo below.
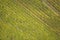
(29, 20)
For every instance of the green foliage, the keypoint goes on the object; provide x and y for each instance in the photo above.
(29, 20)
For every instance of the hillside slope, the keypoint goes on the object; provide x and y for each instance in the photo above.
(29, 19)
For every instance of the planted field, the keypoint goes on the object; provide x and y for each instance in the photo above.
(29, 19)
